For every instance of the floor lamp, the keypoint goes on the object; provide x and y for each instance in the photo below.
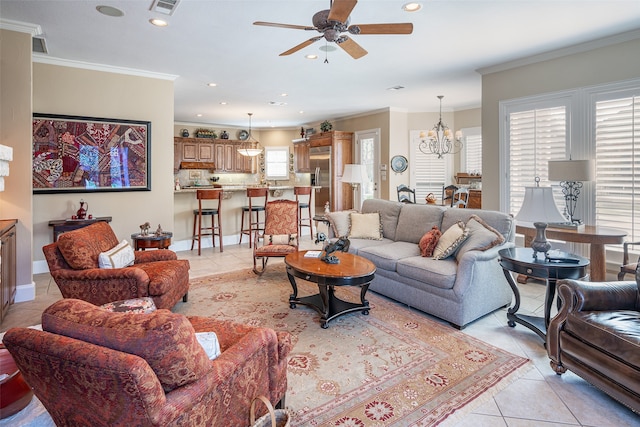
(354, 175)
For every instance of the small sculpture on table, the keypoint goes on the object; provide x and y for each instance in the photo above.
(159, 231)
(341, 244)
(144, 229)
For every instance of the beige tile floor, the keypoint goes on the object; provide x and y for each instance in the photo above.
(539, 398)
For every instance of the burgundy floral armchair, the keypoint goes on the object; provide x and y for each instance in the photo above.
(73, 263)
(93, 367)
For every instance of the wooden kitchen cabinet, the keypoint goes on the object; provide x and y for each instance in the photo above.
(196, 151)
(7, 264)
(341, 154)
(221, 152)
(301, 156)
(227, 158)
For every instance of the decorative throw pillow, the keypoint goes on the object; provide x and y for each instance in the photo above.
(365, 226)
(133, 305)
(280, 239)
(429, 241)
(450, 241)
(118, 257)
(166, 340)
(339, 222)
(210, 344)
(481, 237)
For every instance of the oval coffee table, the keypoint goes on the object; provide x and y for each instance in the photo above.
(352, 270)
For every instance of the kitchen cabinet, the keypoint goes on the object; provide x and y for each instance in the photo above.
(227, 158)
(197, 151)
(7, 264)
(341, 154)
(301, 156)
(222, 153)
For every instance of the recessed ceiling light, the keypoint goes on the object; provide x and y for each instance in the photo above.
(223, 102)
(411, 7)
(301, 112)
(198, 115)
(311, 56)
(110, 11)
(158, 22)
(212, 84)
(284, 94)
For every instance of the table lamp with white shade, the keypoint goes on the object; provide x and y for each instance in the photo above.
(539, 208)
(354, 175)
(571, 174)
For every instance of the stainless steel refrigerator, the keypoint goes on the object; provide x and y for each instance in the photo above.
(320, 162)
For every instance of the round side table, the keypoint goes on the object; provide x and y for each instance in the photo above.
(151, 241)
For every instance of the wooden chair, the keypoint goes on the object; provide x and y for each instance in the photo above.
(460, 198)
(280, 236)
(308, 221)
(258, 198)
(214, 230)
(447, 194)
(406, 194)
(626, 267)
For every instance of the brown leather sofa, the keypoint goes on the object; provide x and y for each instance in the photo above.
(596, 335)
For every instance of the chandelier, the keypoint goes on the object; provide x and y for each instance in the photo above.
(250, 147)
(439, 140)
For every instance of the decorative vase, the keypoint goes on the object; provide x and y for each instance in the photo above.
(184, 133)
(540, 243)
(82, 212)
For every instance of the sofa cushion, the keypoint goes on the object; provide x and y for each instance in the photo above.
(81, 248)
(355, 245)
(165, 340)
(365, 226)
(429, 241)
(438, 273)
(339, 222)
(450, 240)
(386, 256)
(481, 237)
(415, 220)
(614, 332)
(389, 213)
(120, 256)
(502, 222)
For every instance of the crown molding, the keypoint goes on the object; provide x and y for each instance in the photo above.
(46, 59)
(21, 27)
(559, 53)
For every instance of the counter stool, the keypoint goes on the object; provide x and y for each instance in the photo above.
(214, 230)
(255, 206)
(304, 222)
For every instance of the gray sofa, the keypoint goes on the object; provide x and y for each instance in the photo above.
(458, 291)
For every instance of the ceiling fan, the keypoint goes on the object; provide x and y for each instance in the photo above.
(331, 23)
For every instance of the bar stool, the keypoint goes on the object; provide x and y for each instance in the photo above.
(255, 206)
(302, 222)
(214, 230)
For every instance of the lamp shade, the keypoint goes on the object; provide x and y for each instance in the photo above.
(539, 206)
(571, 170)
(353, 174)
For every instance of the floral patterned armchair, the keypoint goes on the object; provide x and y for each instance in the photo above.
(280, 236)
(73, 263)
(92, 367)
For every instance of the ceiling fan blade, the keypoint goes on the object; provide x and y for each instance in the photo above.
(275, 24)
(341, 9)
(352, 48)
(301, 46)
(403, 28)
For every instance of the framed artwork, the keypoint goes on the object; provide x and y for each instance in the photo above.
(74, 154)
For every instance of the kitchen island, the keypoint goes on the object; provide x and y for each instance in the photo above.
(234, 197)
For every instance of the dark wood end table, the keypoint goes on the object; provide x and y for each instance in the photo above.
(151, 241)
(352, 270)
(522, 261)
(63, 225)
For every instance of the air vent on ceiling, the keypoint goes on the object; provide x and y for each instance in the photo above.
(165, 6)
(38, 45)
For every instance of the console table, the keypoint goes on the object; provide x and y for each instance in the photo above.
(62, 225)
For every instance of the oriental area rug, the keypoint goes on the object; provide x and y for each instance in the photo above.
(393, 367)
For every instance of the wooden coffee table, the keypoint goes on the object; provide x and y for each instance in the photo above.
(352, 270)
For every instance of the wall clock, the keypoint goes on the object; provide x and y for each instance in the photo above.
(399, 164)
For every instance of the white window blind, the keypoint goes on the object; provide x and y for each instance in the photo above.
(428, 171)
(617, 141)
(535, 136)
(472, 150)
(276, 162)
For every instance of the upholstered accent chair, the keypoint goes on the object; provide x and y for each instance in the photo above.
(596, 335)
(280, 236)
(73, 264)
(92, 367)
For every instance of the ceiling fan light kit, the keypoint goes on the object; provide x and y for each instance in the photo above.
(333, 22)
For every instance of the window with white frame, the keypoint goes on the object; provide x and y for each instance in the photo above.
(471, 159)
(276, 162)
(428, 172)
(600, 122)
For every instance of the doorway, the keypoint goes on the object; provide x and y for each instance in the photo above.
(367, 153)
